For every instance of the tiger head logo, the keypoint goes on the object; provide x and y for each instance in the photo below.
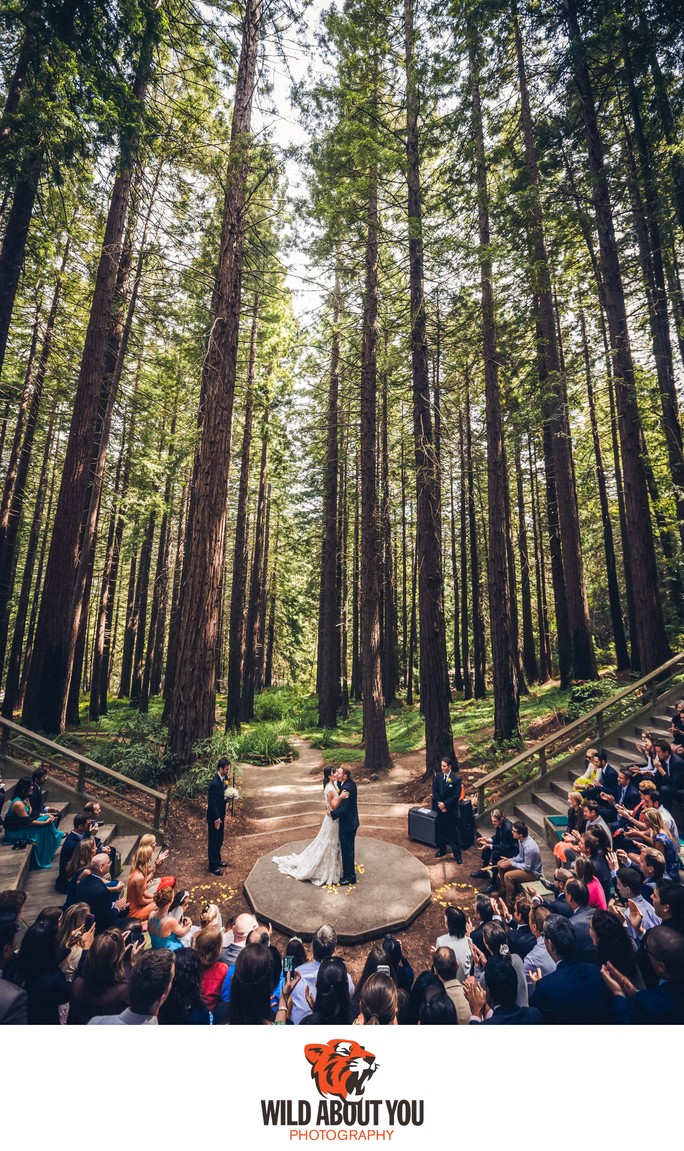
(340, 1067)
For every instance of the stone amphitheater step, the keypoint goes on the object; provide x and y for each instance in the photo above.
(550, 803)
(619, 756)
(561, 787)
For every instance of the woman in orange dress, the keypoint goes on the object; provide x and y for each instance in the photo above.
(143, 871)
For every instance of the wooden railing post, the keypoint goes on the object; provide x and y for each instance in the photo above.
(4, 739)
(600, 727)
(543, 767)
(81, 778)
(167, 806)
(157, 814)
(480, 800)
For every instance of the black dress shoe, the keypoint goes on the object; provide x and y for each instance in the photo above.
(223, 863)
(347, 882)
(458, 858)
(215, 870)
(491, 889)
(439, 854)
(479, 874)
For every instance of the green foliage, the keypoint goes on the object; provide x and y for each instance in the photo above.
(585, 696)
(265, 743)
(324, 739)
(137, 750)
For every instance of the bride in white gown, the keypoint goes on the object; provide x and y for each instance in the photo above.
(321, 862)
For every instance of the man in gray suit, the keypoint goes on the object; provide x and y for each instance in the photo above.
(577, 895)
(12, 998)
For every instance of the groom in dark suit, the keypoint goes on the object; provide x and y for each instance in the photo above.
(348, 815)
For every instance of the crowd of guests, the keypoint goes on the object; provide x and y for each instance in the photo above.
(602, 943)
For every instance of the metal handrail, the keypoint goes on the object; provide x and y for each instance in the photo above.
(565, 734)
(161, 799)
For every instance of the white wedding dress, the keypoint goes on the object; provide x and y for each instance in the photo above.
(321, 862)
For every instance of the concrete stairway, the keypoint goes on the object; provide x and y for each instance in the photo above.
(15, 866)
(550, 798)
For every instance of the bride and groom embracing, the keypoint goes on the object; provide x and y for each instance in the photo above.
(329, 858)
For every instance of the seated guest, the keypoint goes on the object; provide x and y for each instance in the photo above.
(80, 831)
(22, 826)
(538, 959)
(102, 987)
(77, 869)
(323, 946)
(485, 911)
(75, 937)
(437, 1011)
(331, 1005)
(499, 995)
(101, 899)
(13, 1000)
(594, 847)
(296, 949)
(652, 798)
(376, 958)
(613, 945)
(584, 870)
(500, 845)
(244, 923)
(592, 774)
(495, 942)
(670, 772)
(594, 820)
(651, 864)
(427, 983)
(150, 983)
(577, 895)
(629, 882)
(166, 932)
(185, 1004)
(250, 990)
(663, 1003)
(142, 873)
(524, 867)
(208, 946)
(402, 972)
(559, 905)
(36, 969)
(520, 938)
(445, 968)
(94, 810)
(210, 916)
(668, 904)
(457, 939)
(607, 778)
(36, 798)
(575, 992)
(379, 1003)
(618, 806)
(570, 837)
(662, 840)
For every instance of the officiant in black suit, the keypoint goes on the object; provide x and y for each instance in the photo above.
(216, 814)
(348, 815)
(447, 789)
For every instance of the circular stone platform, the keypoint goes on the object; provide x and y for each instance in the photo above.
(392, 888)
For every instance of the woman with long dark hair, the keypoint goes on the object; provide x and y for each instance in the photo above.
(23, 826)
(185, 1004)
(614, 945)
(331, 1004)
(36, 969)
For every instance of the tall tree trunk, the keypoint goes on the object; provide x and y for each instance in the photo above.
(192, 704)
(153, 658)
(583, 660)
(129, 633)
(389, 619)
(404, 566)
(458, 674)
(545, 661)
(463, 512)
(172, 648)
(263, 600)
(328, 637)
(413, 634)
(59, 617)
(343, 517)
(142, 589)
(529, 654)
(356, 592)
(14, 664)
(479, 641)
(506, 722)
(377, 757)
(14, 240)
(236, 623)
(621, 652)
(435, 691)
(253, 637)
(652, 639)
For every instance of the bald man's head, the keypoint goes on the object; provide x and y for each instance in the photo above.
(242, 926)
(99, 863)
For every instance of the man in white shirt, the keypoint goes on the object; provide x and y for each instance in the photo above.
(323, 946)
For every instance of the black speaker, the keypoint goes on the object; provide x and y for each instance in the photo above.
(422, 825)
(466, 824)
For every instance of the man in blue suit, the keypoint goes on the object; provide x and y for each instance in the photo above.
(347, 815)
(661, 1004)
(575, 992)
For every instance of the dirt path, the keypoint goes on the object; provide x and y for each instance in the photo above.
(284, 802)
